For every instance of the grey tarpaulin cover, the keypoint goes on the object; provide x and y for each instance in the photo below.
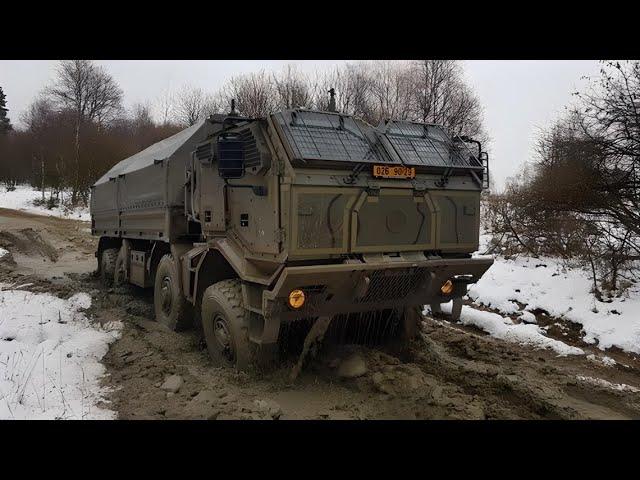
(158, 151)
(143, 195)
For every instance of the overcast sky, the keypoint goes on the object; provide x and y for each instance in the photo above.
(519, 97)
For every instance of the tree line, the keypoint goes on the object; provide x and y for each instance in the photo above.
(580, 197)
(77, 127)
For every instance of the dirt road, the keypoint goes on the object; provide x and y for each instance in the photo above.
(450, 371)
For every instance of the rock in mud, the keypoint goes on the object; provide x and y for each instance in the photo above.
(400, 380)
(204, 406)
(206, 396)
(269, 407)
(352, 367)
(172, 384)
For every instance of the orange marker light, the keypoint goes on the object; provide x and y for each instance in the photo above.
(296, 298)
(447, 287)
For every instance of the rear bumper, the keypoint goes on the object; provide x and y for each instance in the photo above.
(359, 287)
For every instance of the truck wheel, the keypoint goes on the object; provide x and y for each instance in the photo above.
(108, 265)
(168, 300)
(224, 322)
(119, 273)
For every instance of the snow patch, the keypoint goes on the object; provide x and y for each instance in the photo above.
(600, 382)
(564, 292)
(503, 328)
(50, 357)
(528, 317)
(3, 252)
(22, 199)
(606, 361)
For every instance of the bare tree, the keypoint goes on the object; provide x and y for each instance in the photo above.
(609, 120)
(215, 104)
(91, 94)
(165, 105)
(441, 96)
(255, 94)
(352, 84)
(292, 89)
(391, 90)
(141, 113)
(86, 89)
(38, 114)
(192, 104)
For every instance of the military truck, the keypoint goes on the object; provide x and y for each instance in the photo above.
(247, 226)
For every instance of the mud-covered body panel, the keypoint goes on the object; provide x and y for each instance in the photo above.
(396, 215)
(338, 289)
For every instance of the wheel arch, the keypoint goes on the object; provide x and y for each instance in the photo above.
(158, 250)
(214, 268)
(105, 243)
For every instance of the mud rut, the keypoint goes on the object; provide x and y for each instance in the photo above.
(449, 372)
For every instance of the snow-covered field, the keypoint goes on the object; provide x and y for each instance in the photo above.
(505, 329)
(50, 357)
(564, 292)
(22, 199)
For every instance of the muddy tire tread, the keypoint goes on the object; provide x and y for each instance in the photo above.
(230, 292)
(108, 265)
(182, 313)
(119, 260)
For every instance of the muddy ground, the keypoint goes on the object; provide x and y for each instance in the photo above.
(450, 372)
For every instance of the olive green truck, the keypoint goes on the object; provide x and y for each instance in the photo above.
(245, 226)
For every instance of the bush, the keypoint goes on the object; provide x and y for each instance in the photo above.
(49, 203)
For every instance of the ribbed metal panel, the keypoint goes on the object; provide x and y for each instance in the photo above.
(251, 152)
(428, 145)
(331, 137)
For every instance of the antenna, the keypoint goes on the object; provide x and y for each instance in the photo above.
(332, 100)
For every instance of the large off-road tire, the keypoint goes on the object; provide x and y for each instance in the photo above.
(224, 323)
(170, 305)
(119, 272)
(108, 265)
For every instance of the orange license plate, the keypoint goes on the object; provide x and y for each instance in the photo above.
(393, 171)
